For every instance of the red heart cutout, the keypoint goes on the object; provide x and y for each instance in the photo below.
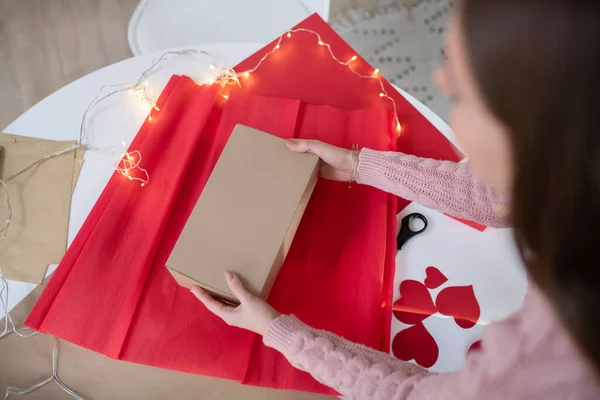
(416, 343)
(434, 278)
(475, 347)
(415, 303)
(459, 302)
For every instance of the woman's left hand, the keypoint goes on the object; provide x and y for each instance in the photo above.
(253, 313)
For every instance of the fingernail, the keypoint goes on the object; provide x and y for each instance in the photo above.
(228, 275)
(195, 290)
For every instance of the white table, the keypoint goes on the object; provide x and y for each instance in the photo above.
(156, 24)
(487, 257)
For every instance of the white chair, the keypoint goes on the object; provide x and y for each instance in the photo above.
(161, 24)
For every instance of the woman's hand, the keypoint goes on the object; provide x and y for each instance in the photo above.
(336, 163)
(253, 313)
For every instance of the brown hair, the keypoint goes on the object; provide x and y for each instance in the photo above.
(537, 64)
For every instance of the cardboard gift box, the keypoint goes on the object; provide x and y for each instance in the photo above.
(247, 215)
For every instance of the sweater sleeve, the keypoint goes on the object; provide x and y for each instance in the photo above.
(447, 186)
(363, 373)
(525, 356)
(351, 369)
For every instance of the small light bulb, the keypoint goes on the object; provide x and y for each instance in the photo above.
(225, 96)
(143, 184)
(398, 127)
(130, 178)
(289, 34)
(246, 74)
(376, 71)
(156, 108)
(124, 145)
(211, 66)
(321, 42)
(353, 58)
(149, 117)
(276, 47)
(381, 94)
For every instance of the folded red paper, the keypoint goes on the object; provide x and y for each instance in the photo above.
(129, 307)
(112, 292)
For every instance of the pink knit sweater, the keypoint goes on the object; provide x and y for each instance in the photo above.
(527, 356)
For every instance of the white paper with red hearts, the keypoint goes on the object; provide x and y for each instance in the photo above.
(465, 256)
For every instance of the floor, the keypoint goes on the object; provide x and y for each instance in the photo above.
(341, 6)
(405, 41)
(45, 44)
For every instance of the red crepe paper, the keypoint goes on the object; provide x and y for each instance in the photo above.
(322, 261)
(304, 70)
(112, 293)
(130, 308)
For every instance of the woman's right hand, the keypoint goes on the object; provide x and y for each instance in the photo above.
(336, 163)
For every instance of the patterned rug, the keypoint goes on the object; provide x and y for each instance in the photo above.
(405, 41)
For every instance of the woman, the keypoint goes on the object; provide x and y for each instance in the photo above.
(523, 77)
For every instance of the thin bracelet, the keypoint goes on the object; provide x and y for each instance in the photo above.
(355, 152)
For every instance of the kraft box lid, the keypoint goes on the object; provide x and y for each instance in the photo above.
(246, 216)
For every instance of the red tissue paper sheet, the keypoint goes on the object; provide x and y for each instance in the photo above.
(112, 292)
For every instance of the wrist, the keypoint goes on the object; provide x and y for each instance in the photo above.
(272, 316)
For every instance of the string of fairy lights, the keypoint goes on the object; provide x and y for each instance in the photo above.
(129, 163)
(283, 39)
